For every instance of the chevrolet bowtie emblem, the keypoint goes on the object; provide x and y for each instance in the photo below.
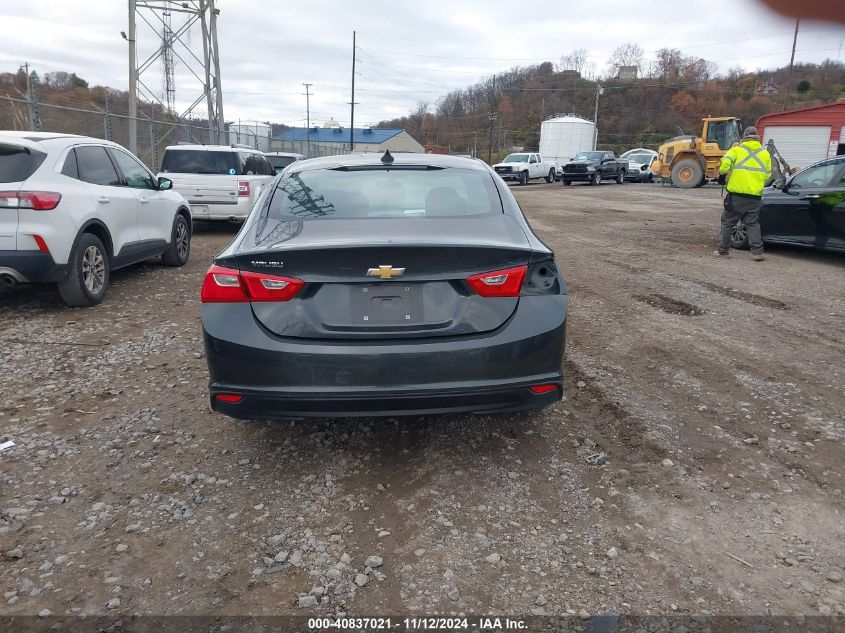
(385, 272)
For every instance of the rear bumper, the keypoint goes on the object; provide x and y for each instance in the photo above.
(31, 266)
(239, 211)
(283, 378)
(279, 404)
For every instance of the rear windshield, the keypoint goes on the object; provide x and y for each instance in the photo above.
(384, 193)
(17, 164)
(589, 156)
(186, 161)
(280, 161)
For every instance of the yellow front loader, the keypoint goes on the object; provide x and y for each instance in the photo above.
(688, 161)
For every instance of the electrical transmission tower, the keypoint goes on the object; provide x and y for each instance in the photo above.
(175, 44)
(169, 79)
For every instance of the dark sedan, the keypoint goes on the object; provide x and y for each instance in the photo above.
(807, 209)
(380, 285)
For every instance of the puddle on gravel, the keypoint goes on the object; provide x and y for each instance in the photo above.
(670, 305)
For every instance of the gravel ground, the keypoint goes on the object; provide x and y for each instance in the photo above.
(695, 465)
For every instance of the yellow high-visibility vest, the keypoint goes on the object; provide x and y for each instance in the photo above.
(750, 166)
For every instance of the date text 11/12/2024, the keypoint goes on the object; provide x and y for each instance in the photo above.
(418, 624)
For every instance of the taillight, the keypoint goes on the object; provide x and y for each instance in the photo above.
(37, 200)
(223, 285)
(262, 287)
(243, 187)
(499, 283)
(226, 285)
(229, 397)
(543, 388)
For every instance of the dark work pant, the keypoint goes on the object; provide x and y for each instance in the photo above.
(747, 209)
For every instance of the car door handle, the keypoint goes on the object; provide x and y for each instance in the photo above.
(104, 199)
(812, 196)
(144, 200)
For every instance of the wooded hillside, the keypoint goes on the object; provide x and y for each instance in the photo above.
(675, 90)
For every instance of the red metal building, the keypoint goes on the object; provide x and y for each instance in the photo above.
(806, 135)
(436, 149)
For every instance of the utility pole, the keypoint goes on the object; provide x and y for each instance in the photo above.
(107, 130)
(133, 82)
(791, 64)
(31, 102)
(492, 118)
(352, 103)
(308, 117)
(475, 144)
(599, 91)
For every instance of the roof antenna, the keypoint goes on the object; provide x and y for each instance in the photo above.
(387, 159)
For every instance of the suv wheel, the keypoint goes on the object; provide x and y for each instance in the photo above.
(88, 272)
(180, 243)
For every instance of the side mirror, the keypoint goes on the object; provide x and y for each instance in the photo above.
(780, 183)
(164, 184)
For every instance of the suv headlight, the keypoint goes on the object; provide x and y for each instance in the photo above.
(591, 168)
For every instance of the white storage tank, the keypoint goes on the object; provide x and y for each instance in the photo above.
(563, 136)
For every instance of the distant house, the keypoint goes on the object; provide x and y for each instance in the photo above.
(436, 149)
(628, 72)
(767, 88)
(334, 139)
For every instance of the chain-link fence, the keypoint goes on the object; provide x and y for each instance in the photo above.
(312, 150)
(155, 130)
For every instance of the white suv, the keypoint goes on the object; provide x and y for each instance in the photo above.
(280, 160)
(221, 182)
(74, 208)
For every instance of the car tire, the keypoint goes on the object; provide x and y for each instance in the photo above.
(596, 179)
(687, 174)
(620, 177)
(89, 268)
(551, 177)
(523, 178)
(739, 236)
(180, 243)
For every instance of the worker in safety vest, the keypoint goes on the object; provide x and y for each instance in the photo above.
(746, 167)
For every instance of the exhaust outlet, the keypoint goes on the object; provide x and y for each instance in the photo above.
(7, 280)
(234, 220)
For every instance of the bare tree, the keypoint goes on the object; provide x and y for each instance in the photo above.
(576, 60)
(628, 54)
(417, 117)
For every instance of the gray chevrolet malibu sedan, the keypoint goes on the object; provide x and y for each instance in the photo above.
(384, 285)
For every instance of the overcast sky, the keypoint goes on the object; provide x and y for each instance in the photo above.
(409, 51)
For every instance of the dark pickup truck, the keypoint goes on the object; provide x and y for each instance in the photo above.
(594, 167)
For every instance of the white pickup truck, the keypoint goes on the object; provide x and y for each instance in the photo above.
(525, 166)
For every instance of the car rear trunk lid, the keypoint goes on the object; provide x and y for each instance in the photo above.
(395, 278)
